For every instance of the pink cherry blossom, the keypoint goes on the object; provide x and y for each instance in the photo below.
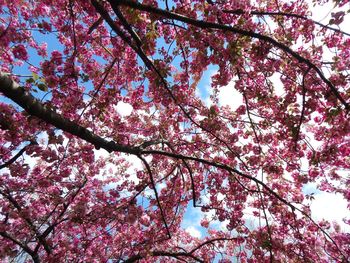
(165, 131)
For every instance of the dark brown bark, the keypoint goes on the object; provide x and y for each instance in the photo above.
(31, 105)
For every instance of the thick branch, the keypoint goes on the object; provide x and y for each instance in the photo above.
(31, 105)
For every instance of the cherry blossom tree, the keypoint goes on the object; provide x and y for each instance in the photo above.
(106, 142)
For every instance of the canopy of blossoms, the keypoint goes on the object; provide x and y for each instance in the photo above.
(107, 142)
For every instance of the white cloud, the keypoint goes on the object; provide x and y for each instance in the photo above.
(101, 153)
(277, 84)
(193, 231)
(124, 109)
(133, 164)
(320, 13)
(160, 186)
(331, 207)
(229, 96)
(220, 197)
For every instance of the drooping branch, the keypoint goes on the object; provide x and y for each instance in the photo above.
(148, 168)
(257, 181)
(210, 25)
(114, 216)
(23, 98)
(150, 65)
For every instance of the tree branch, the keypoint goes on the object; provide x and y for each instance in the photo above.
(34, 255)
(148, 168)
(19, 154)
(176, 255)
(265, 13)
(302, 109)
(235, 30)
(29, 222)
(31, 105)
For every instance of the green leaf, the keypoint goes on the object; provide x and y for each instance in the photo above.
(294, 131)
(334, 112)
(84, 77)
(35, 76)
(42, 86)
(266, 244)
(30, 80)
